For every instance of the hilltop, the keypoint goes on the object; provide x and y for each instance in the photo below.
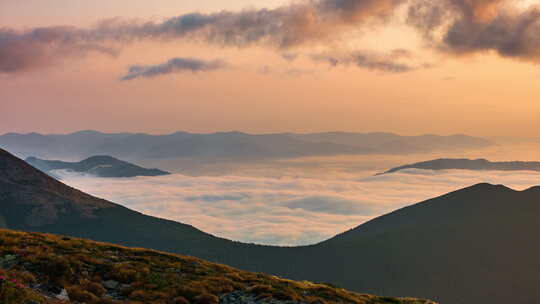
(101, 166)
(41, 268)
(469, 164)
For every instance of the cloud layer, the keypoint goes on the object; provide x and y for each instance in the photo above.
(286, 210)
(449, 26)
(174, 65)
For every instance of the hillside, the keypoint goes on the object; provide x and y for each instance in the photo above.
(40, 268)
(458, 248)
(469, 164)
(101, 166)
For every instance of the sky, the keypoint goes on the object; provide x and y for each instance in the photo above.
(404, 66)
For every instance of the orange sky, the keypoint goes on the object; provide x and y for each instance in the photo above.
(259, 91)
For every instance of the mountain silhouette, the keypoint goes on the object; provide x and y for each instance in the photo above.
(474, 245)
(227, 145)
(469, 164)
(101, 166)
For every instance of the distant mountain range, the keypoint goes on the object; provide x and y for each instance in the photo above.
(475, 245)
(469, 164)
(101, 166)
(229, 145)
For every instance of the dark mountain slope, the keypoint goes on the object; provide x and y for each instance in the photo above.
(475, 245)
(31, 200)
(102, 166)
(469, 164)
(36, 268)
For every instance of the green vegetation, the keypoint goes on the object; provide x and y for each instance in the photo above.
(91, 272)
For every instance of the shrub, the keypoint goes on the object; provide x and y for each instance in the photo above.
(146, 296)
(180, 300)
(206, 298)
(13, 292)
(76, 293)
(261, 289)
(94, 288)
(57, 269)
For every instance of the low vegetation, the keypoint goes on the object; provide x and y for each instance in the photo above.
(42, 268)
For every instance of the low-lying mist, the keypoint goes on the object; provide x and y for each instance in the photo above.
(287, 209)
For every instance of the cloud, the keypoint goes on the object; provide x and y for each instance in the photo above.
(449, 26)
(330, 205)
(174, 65)
(294, 209)
(470, 26)
(389, 62)
(26, 50)
(283, 27)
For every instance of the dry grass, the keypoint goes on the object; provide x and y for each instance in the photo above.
(144, 276)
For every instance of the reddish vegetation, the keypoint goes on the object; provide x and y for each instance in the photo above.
(38, 268)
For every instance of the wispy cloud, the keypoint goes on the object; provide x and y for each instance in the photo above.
(174, 65)
(386, 62)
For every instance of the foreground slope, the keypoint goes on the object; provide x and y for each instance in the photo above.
(101, 166)
(39, 268)
(469, 164)
(475, 245)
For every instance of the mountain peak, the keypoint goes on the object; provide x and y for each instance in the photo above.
(488, 186)
(101, 158)
(43, 198)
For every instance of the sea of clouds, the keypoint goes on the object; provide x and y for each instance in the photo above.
(289, 209)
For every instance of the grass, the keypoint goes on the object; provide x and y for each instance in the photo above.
(30, 260)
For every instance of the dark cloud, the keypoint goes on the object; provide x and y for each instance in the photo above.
(471, 26)
(174, 65)
(20, 51)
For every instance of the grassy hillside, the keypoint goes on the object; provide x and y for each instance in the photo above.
(44, 268)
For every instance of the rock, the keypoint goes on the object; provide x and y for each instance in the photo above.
(63, 295)
(8, 260)
(110, 284)
(124, 286)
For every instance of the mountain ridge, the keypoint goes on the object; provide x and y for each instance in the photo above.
(228, 145)
(98, 165)
(468, 164)
(435, 249)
